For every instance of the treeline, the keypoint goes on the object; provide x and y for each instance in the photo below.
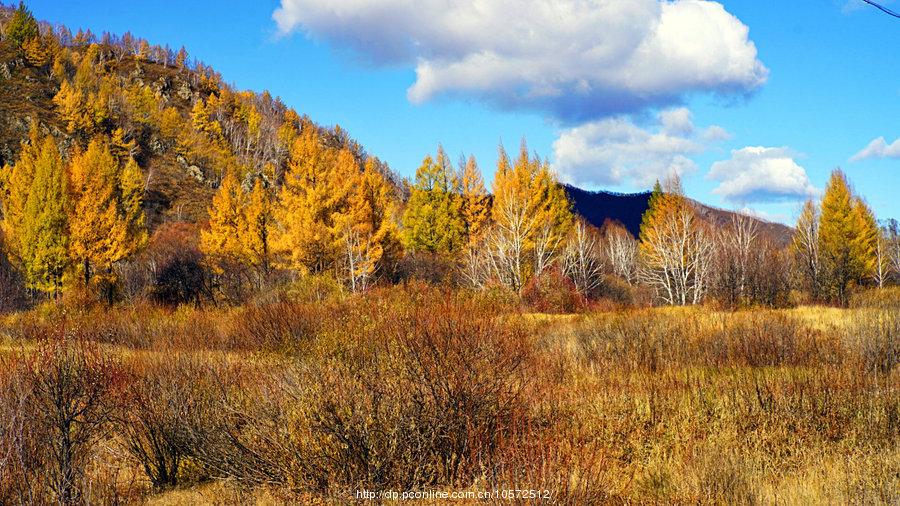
(296, 204)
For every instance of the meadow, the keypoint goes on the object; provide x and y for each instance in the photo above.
(308, 399)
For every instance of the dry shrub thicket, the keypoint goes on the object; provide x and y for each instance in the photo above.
(418, 388)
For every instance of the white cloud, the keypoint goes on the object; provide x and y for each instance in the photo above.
(761, 174)
(615, 151)
(576, 59)
(878, 148)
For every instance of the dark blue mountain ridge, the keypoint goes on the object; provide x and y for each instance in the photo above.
(598, 207)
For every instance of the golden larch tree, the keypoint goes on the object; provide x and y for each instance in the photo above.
(100, 232)
(475, 202)
(43, 233)
(370, 232)
(17, 183)
(846, 251)
(317, 184)
(221, 242)
(531, 215)
(257, 228)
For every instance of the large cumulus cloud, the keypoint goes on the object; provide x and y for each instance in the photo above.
(576, 60)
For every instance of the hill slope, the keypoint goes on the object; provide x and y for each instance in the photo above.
(628, 208)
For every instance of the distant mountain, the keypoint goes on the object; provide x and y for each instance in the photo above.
(627, 208)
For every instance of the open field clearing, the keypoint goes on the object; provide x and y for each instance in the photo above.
(423, 389)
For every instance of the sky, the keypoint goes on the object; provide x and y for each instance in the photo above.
(752, 102)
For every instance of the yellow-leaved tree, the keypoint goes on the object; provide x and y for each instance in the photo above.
(17, 183)
(313, 198)
(370, 232)
(845, 244)
(675, 247)
(255, 234)
(476, 206)
(106, 220)
(531, 215)
(42, 238)
(222, 243)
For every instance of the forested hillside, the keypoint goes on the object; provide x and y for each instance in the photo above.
(130, 171)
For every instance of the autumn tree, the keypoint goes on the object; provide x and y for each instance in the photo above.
(43, 230)
(532, 217)
(582, 261)
(675, 248)
(222, 241)
(21, 27)
(17, 183)
(620, 248)
(313, 198)
(256, 231)
(370, 233)
(735, 258)
(475, 202)
(845, 240)
(106, 223)
(433, 220)
(805, 247)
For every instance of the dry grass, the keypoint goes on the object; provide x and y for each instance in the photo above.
(417, 389)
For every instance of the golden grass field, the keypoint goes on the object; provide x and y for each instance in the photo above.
(425, 389)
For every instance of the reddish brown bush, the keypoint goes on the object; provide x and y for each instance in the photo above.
(552, 292)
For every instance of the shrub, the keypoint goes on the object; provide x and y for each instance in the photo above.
(175, 262)
(552, 292)
(420, 395)
(65, 394)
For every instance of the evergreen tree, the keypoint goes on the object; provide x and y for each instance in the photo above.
(433, 220)
(21, 27)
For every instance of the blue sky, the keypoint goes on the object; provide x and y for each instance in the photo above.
(763, 134)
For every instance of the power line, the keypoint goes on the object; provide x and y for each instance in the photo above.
(882, 8)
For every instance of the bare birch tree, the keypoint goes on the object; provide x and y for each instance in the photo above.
(621, 252)
(581, 260)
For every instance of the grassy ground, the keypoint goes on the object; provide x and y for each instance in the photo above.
(673, 405)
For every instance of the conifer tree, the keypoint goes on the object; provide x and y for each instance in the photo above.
(675, 248)
(222, 241)
(257, 228)
(531, 215)
(21, 27)
(433, 220)
(475, 202)
(647, 217)
(131, 205)
(843, 244)
(44, 226)
(312, 201)
(867, 241)
(17, 183)
(100, 233)
(370, 232)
